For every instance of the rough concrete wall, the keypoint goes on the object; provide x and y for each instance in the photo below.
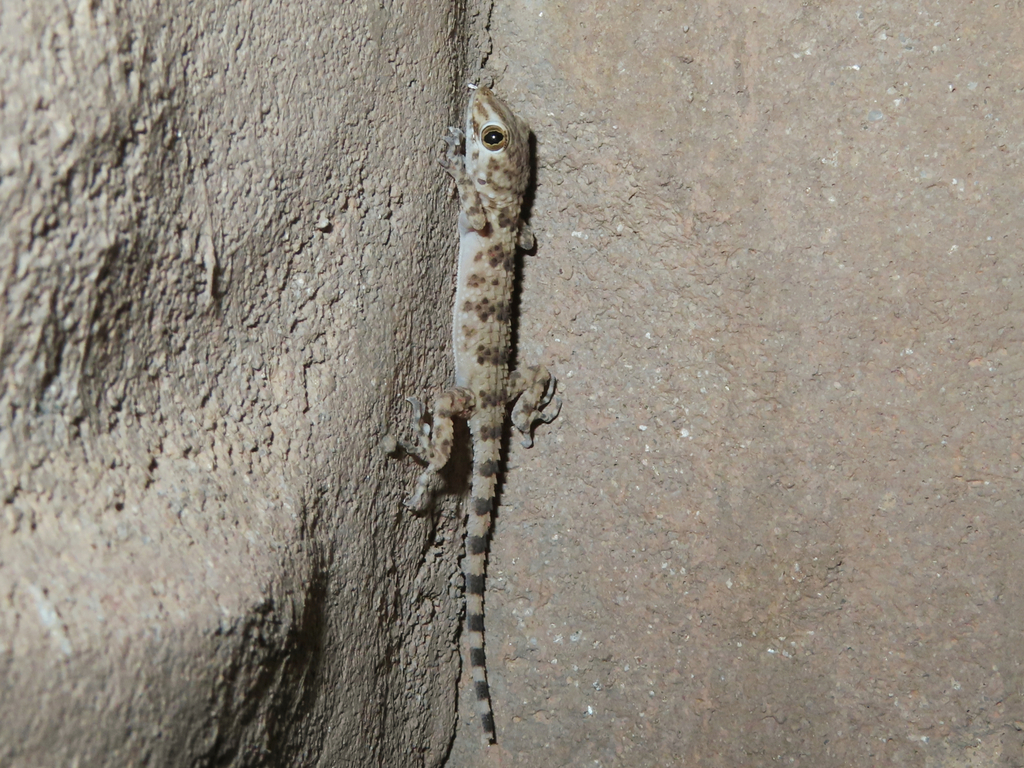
(220, 229)
(779, 274)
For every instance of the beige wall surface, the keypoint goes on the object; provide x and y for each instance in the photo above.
(780, 274)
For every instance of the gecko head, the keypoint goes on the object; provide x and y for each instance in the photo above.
(497, 148)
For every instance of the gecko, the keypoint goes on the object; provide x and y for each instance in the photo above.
(490, 164)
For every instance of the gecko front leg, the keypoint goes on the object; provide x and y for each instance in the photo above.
(472, 216)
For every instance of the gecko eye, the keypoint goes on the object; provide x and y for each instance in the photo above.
(494, 137)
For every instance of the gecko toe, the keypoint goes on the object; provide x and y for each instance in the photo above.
(548, 417)
(418, 409)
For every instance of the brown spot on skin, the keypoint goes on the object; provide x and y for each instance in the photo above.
(475, 281)
(486, 354)
(489, 468)
(484, 311)
(468, 332)
(509, 261)
(482, 507)
(489, 433)
(491, 399)
(501, 312)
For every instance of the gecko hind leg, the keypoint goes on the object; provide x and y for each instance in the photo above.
(435, 440)
(535, 388)
(421, 426)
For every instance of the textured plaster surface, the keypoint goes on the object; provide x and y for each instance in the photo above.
(779, 520)
(778, 274)
(219, 234)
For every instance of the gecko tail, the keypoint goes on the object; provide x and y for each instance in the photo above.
(474, 566)
(483, 697)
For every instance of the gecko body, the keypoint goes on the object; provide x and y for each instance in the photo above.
(490, 164)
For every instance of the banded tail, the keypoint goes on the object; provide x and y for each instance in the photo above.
(485, 426)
